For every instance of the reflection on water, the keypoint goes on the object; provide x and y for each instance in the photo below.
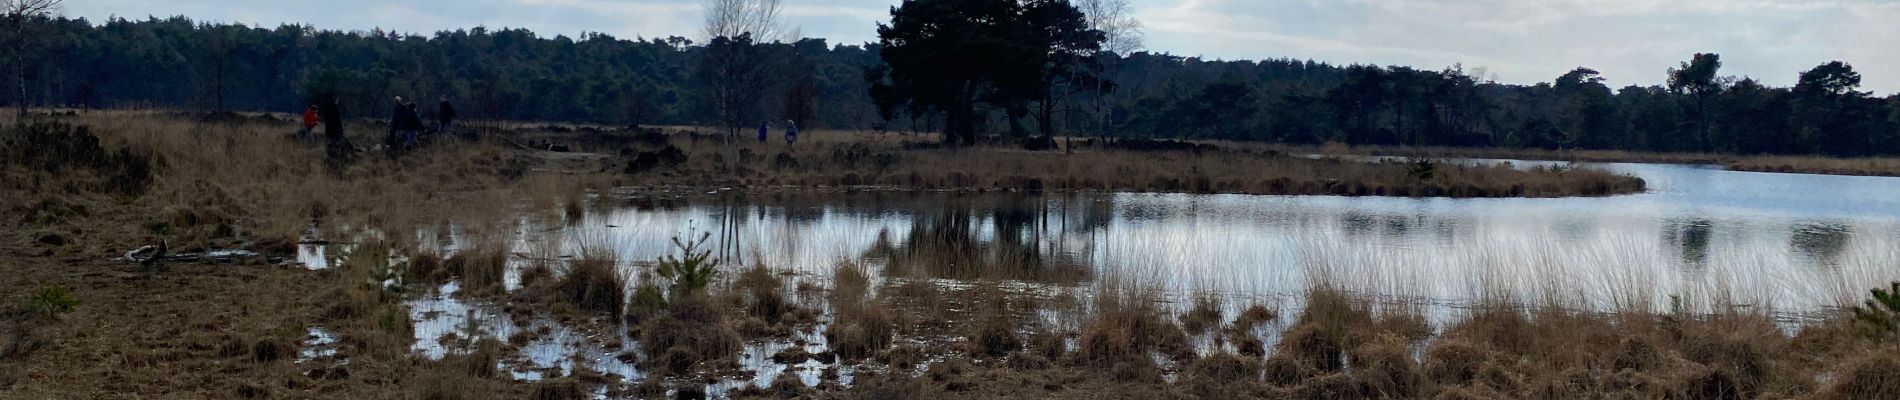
(1691, 236)
(446, 324)
(1822, 243)
(1794, 242)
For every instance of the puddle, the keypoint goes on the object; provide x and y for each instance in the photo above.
(542, 348)
(313, 256)
(759, 359)
(317, 344)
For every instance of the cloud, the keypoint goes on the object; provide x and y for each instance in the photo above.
(1524, 41)
(1521, 41)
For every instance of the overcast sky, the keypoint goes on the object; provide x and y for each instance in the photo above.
(1518, 41)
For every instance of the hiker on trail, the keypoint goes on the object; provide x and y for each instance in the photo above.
(397, 126)
(336, 146)
(332, 115)
(791, 132)
(412, 121)
(765, 129)
(310, 119)
(444, 115)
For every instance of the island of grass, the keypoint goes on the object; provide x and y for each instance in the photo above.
(684, 157)
(1792, 164)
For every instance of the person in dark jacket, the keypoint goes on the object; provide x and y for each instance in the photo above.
(412, 124)
(765, 130)
(336, 145)
(398, 127)
(444, 115)
(331, 112)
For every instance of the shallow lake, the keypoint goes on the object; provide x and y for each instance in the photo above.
(1700, 236)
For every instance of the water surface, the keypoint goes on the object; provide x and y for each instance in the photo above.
(1699, 236)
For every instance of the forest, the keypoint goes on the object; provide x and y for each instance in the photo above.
(516, 74)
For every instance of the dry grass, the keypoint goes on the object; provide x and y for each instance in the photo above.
(1125, 325)
(862, 325)
(1819, 165)
(594, 285)
(482, 267)
(691, 334)
(1869, 166)
(863, 160)
(220, 331)
(182, 330)
(1507, 153)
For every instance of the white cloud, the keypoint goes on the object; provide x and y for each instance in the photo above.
(1631, 41)
(1523, 41)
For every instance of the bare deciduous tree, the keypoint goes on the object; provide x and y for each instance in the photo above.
(1121, 35)
(19, 41)
(1116, 20)
(734, 66)
(732, 18)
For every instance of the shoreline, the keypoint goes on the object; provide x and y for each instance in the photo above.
(1791, 164)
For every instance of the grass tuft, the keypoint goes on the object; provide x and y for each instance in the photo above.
(691, 332)
(49, 301)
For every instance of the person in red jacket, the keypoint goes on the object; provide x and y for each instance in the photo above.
(310, 121)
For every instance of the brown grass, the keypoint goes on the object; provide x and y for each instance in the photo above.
(861, 160)
(691, 334)
(1878, 166)
(862, 325)
(1868, 166)
(180, 331)
(1125, 324)
(482, 267)
(198, 331)
(594, 282)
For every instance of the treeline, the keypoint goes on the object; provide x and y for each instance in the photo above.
(515, 74)
(501, 74)
(1699, 110)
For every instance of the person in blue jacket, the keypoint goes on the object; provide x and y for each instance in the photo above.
(764, 130)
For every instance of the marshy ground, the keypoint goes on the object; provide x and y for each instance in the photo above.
(514, 307)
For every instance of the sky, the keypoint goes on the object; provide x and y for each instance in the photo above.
(1514, 41)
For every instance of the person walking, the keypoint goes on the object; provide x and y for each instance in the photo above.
(412, 124)
(765, 130)
(337, 146)
(310, 120)
(791, 133)
(332, 115)
(392, 141)
(444, 115)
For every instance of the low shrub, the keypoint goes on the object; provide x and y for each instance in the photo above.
(693, 270)
(50, 300)
(58, 148)
(1879, 317)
